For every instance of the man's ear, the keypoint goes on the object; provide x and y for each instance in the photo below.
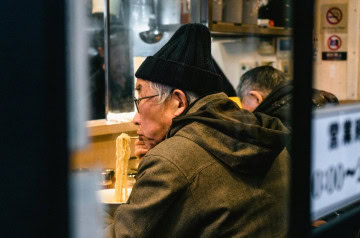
(180, 101)
(251, 100)
(257, 96)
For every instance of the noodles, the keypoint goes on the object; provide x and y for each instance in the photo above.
(122, 160)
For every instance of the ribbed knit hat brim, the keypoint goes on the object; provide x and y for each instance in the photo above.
(179, 75)
(184, 62)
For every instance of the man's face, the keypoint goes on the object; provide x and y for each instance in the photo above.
(154, 119)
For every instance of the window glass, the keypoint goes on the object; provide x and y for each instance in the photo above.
(336, 118)
(137, 29)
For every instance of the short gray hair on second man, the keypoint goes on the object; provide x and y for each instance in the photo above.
(263, 78)
(165, 91)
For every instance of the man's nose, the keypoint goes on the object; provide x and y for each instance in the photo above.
(136, 119)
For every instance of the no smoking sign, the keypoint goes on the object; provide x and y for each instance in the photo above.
(333, 31)
(334, 16)
(334, 42)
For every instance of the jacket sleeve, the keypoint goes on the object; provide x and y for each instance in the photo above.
(158, 184)
(320, 98)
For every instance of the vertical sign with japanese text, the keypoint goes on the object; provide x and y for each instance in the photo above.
(333, 29)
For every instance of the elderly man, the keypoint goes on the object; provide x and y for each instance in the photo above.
(268, 90)
(211, 169)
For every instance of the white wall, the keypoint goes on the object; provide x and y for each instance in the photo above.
(236, 56)
(230, 53)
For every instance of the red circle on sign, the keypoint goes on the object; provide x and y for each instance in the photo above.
(334, 16)
(334, 42)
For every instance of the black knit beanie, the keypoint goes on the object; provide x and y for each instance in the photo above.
(184, 62)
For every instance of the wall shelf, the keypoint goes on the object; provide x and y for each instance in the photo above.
(231, 29)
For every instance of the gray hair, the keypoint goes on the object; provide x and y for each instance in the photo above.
(263, 78)
(165, 91)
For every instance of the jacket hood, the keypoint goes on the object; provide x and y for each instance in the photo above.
(279, 102)
(246, 142)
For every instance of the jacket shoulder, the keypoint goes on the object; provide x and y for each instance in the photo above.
(183, 153)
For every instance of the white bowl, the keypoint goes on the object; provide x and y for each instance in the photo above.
(106, 197)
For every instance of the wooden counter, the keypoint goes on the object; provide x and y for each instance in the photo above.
(100, 152)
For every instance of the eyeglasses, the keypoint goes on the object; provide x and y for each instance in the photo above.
(138, 100)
